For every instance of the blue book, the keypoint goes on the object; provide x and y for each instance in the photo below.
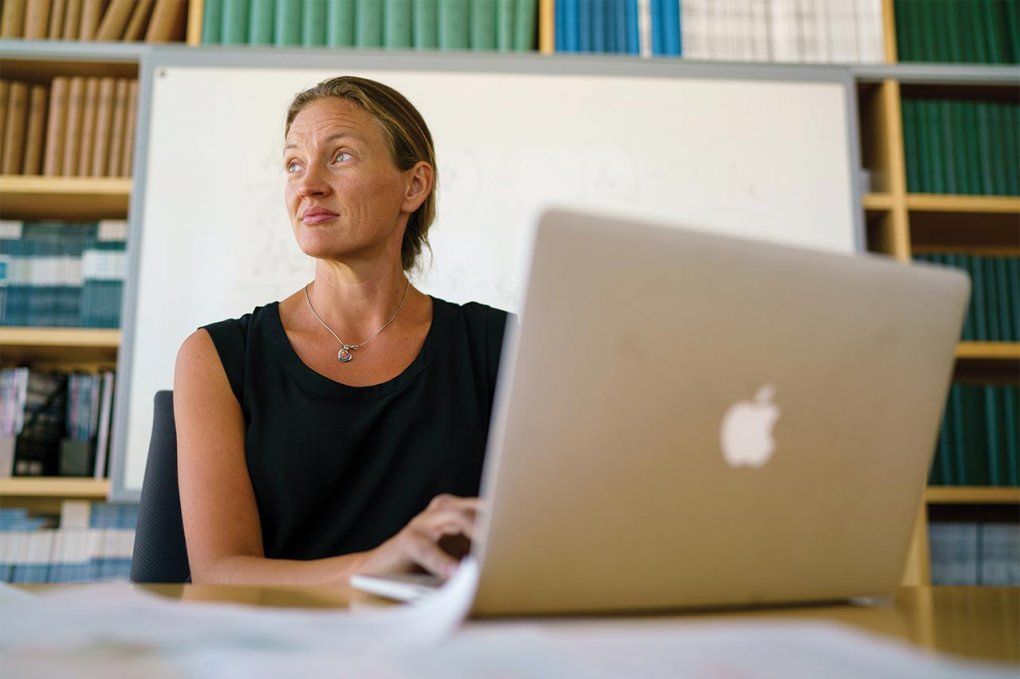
(560, 25)
(609, 27)
(658, 41)
(596, 10)
(584, 42)
(619, 10)
(572, 27)
(671, 27)
(632, 28)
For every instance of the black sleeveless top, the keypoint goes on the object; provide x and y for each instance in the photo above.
(339, 469)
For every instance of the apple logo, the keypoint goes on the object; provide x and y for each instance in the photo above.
(746, 433)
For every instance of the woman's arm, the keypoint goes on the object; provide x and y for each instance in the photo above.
(221, 522)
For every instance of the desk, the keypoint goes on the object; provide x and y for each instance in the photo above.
(974, 622)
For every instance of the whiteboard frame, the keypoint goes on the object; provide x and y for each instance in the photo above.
(340, 60)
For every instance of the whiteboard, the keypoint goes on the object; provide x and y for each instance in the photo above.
(767, 156)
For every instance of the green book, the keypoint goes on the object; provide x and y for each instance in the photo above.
(368, 31)
(1011, 416)
(984, 133)
(992, 299)
(235, 22)
(1012, 10)
(949, 144)
(960, 262)
(1011, 144)
(995, 453)
(505, 25)
(977, 278)
(951, 33)
(904, 30)
(978, 31)
(924, 159)
(287, 31)
(910, 143)
(525, 25)
(1006, 320)
(944, 457)
(453, 24)
(976, 462)
(973, 143)
(426, 24)
(340, 23)
(959, 438)
(926, 31)
(212, 22)
(397, 34)
(993, 30)
(313, 23)
(997, 123)
(962, 14)
(260, 22)
(959, 133)
(939, 31)
(936, 148)
(483, 25)
(1013, 266)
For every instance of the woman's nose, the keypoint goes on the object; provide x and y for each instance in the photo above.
(313, 182)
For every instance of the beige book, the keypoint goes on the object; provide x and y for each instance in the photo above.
(129, 130)
(88, 126)
(169, 22)
(5, 92)
(57, 14)
(139, 21)
(14, 130)
(104, 122)
(91, 15)
(72, 131)
(37, 19)
(12, 21)
(115, 20)
(117, 128)
(72, 20)
(35, 136)
(53, 155)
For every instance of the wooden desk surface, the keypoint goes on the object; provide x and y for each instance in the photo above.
(975, 622)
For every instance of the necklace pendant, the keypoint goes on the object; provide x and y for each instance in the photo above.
(344, 355)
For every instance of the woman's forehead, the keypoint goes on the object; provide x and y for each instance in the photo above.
(324, 118)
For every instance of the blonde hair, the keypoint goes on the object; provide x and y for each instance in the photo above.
(406, 133)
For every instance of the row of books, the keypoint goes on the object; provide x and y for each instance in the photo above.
(62, 274)
(121, 20)
(958, 31)
(974, 553)
(93, 543)
(55, 423)
(77, 127)
(962, 147)
(503, 25)
(993, 314)
(792, 31)
(979, 440)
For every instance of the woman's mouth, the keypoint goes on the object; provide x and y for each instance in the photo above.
(317, 218)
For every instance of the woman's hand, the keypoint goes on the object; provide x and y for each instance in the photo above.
(418, 543)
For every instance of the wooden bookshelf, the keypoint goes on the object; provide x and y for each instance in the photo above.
(929, 202)
(971, 495)
(877, 201)
(54, 487)
(70, 198)
(59, 337)
(1004, 351)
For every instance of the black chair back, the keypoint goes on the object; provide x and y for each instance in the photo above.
(160, 554)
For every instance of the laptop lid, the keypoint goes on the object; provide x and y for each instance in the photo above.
(693, 420)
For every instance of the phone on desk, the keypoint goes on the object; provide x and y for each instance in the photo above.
(412, 586)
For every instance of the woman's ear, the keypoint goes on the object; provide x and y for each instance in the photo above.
(419, 182)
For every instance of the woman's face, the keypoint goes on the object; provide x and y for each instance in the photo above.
(338, 165)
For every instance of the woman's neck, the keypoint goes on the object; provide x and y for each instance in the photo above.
(355, 303)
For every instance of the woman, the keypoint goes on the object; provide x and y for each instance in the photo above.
(303, 457)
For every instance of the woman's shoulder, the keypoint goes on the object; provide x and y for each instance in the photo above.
(477, 314)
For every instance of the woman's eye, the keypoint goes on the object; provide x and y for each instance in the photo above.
(289, 166)
(343, 153)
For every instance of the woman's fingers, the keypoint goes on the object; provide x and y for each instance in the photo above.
(448, 522)
(427, 554)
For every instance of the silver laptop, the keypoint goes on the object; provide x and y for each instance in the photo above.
(689, 420)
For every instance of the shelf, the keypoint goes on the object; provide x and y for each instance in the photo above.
(54, 487)
(971, 495)
(939, 74)
(65, 348)
(1005, 351)
(929, 202)
(71, 198)
(60, 337)
(877, 201)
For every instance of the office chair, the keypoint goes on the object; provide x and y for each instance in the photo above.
(160, 554)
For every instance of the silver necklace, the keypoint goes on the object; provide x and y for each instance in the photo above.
(345, 355)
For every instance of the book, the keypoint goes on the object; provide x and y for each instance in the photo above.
(53, 156)
(37, 19)
(115, 20)
(119, 120)
(313, 23)
(234, 23)
(91, 16)
(139, 20)
(212, 22)
(260, 22)
(288, 23)
(453, 22)
(398, 24)
(103, 128)
(72, 20)
(482, 15)
(12, 20)
(57, 16)
(36, 130)
(14, 131)
(169, 22)
(72, 130)
(130, 122)
(88, 126)
(340, 23)
(425, 35)
(505, 20)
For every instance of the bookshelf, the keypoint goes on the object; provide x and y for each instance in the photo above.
(898, 223)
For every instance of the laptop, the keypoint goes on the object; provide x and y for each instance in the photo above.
(690, 420)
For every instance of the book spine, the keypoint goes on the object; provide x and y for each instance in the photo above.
(482, 15)
(453, 20)
(54, 153)
(398, 26)
(260, 22)
(288, 23)
(525, 20)
(369, 28)
(104, 126)
(14, 133)
(340, 22)
(313, 23)
(236, 15)
(90, 113)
